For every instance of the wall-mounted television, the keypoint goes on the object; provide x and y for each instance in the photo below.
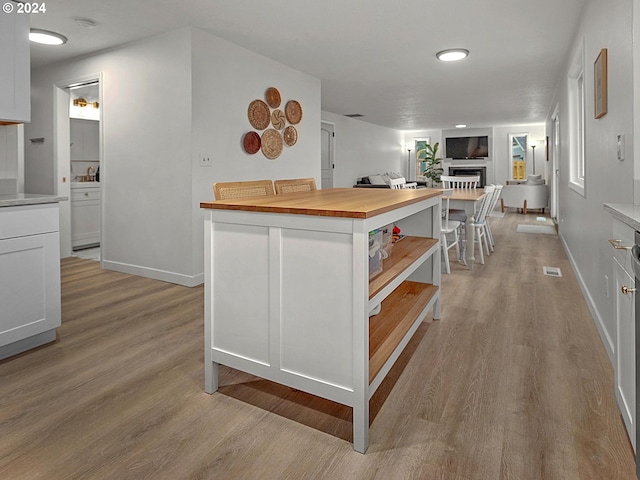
(467, 147)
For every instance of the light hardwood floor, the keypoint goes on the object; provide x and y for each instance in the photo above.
(512, 383)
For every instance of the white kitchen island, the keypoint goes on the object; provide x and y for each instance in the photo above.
(29, 272)
(288, 296)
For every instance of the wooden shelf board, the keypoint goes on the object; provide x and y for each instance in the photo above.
(403, 254)
(399, 311)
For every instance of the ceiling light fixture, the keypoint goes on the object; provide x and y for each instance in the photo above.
(46, 37)
(461, 125)
(452, 54)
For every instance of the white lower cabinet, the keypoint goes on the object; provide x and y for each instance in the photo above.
(29, 277)
(625, 370)
(85, 216)
(624, 310)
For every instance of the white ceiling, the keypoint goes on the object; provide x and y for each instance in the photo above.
(374, 57)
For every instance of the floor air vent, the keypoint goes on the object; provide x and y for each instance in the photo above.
(552, 271)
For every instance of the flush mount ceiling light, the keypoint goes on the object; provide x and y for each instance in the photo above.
(46, 37)
(461, 125)
(452, 54)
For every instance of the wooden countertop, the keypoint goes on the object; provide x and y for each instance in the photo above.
(332, 202)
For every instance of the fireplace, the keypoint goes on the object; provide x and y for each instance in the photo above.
(470, 171)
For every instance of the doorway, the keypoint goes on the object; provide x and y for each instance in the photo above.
(79, 166)
(327, 154)
(555, 166)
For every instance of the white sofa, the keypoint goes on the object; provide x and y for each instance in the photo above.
(529, 195)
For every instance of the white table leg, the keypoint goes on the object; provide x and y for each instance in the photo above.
(470, 234)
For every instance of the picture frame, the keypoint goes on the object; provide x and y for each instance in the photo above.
(600, 84)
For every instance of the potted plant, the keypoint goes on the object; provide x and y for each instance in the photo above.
(433, 169)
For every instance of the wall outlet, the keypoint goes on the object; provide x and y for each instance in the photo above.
(206, 160)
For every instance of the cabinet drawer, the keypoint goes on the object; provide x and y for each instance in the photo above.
(625, 234)
(82, 194)
(27, 220)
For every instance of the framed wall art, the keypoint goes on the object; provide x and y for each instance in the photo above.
(600, 84)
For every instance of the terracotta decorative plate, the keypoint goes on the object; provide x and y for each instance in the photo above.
(278, 119)
(290, 135)
(259, 114)
(271, 143)
(272, 96)
(252, 142)
(293, 111)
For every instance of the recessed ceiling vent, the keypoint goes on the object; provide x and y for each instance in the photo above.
(354, 115)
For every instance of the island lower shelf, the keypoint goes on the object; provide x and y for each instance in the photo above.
(398, 314)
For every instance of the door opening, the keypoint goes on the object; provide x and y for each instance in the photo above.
(327, 154)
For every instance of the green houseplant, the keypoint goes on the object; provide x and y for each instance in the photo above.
(433, 169)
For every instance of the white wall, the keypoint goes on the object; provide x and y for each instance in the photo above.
(166, 99)
(225, 80)
(583, 225)
(363, 149)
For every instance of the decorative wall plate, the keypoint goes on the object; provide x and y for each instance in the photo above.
(278, 119)
(272, 96)
(293, 111)
(290, 135)
(271, 143)
(251, 142)
(259, 114)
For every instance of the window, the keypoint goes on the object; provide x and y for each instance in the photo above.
(576, 88)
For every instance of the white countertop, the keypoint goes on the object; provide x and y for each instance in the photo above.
(625, 212)
(18, 199)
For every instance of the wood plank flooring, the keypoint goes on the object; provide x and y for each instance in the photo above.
(512, 383)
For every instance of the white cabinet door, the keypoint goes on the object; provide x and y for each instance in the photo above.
(15, 76)
(85, 216)
(625, 370)
(30, 293)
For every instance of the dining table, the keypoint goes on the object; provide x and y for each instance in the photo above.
(467, 199)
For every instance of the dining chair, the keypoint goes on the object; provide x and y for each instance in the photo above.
(295, 185)
(480, 222)
(449, 227)
(401, 183)
(459, 181)
(496, 196)
(253, 188)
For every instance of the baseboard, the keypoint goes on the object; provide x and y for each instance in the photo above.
(607, 341)
(28, 343)
(171, 277)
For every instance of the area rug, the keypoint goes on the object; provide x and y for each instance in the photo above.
(544, 229)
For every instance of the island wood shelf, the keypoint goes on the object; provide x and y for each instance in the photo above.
(405, 253)
(399, 313)
(288, 296)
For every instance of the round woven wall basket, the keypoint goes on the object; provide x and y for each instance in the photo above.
(259, 114)
(272, 144)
